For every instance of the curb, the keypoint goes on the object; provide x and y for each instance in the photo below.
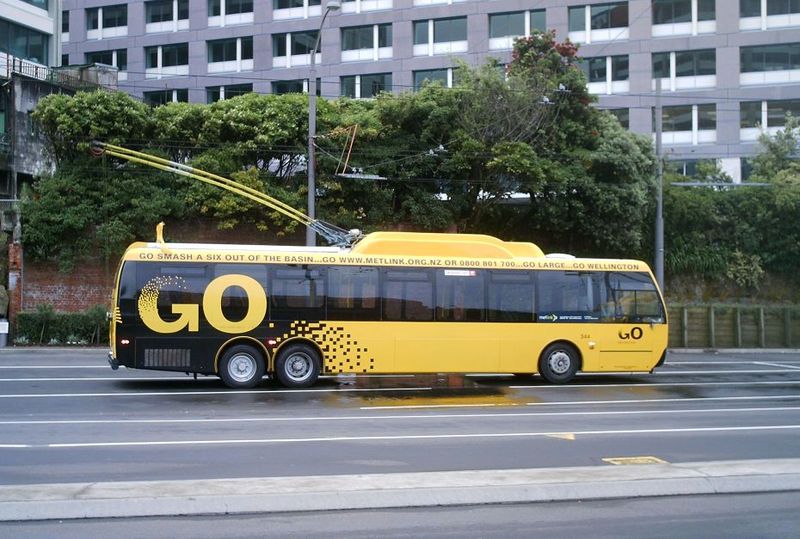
(374, 491)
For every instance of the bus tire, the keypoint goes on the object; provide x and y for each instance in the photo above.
(241, 367)
(559, 363)
(297, 366)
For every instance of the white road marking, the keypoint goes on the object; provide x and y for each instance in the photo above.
(103, 379)
(572, 403)
(662, 384)
(391, 417)
(740, 371)
(215, 392)
(415, 437)
(25, 367)
(777, 365)
(379, 389)
(751, 362)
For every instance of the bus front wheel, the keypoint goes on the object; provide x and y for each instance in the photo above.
(559, 363)
(298, 365)
(241, 367)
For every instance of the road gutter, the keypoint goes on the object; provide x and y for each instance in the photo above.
(373, 491)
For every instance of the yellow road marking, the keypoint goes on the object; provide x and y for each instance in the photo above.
(634, 460)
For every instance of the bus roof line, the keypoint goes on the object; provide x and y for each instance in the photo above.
(332, 234)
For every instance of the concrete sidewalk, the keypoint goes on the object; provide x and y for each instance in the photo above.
(320, 493)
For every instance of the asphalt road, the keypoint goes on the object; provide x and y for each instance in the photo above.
(66, 417)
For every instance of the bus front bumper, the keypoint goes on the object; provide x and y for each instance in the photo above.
(112, 361)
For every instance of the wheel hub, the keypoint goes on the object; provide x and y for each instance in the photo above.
(559, 362)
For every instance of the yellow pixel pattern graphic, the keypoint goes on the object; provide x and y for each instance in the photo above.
(340, 350)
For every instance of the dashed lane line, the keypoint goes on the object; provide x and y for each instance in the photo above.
(777, 365)
(140, 443)
(215, 392)
(161, 421)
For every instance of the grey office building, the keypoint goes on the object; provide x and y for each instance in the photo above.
(729, 69)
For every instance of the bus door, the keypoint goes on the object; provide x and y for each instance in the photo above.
(632, 316)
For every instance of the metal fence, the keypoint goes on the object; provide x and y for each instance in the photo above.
(734, 326)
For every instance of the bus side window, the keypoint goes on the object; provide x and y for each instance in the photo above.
(297, 293)
(353, 293)
(632, 297)
(176, 284)
(511, 296)
(234, 299)
(459, 295)
(407, 295)
(569, 293)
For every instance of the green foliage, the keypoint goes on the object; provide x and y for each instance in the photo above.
(70, 123)
(47, 326)
(745, 270)
(777, 162)
(86, 208)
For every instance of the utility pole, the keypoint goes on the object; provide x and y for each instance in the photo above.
(659, 262)
(311, 236)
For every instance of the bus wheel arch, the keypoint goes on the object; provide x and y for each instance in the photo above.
(242, 363)
(298, 363)
(559, 362)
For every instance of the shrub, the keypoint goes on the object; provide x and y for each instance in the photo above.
(47, 326)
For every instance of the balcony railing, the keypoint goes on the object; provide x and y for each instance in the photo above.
(10, 65)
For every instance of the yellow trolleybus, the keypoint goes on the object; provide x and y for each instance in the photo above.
(392, 303)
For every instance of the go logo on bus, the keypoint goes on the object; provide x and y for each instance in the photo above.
(635, 334)
(189, 313)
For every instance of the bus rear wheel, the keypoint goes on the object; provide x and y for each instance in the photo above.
(559, 363)
(298, 365)
(241, 367)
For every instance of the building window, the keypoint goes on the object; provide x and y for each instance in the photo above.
(43, 4)
(372, 42)
(107, 21)
(298, 45)
(689, 124)
(440, 36)
(297, 86)
(764, 14)
(167, 15)
(607, 74)
(677, 17)
(24, 43)
(235, 54)
(366, 86)
(770, 64)
(359, 6)
(162, 97)
(221, 93)
(116, 58)
(65, 22)
(759, 117)
(295, 9)
(445, 76)
(115, 16)
(623, 115)
(167, 60)
(227, 12)
(684, 70)
(603, 22)
(65, 59)
(505, 27)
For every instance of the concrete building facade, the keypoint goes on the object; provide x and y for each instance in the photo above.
(730, 69)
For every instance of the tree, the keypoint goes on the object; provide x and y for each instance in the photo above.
(70, 123)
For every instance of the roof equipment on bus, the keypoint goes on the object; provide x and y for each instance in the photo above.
(332, 233)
